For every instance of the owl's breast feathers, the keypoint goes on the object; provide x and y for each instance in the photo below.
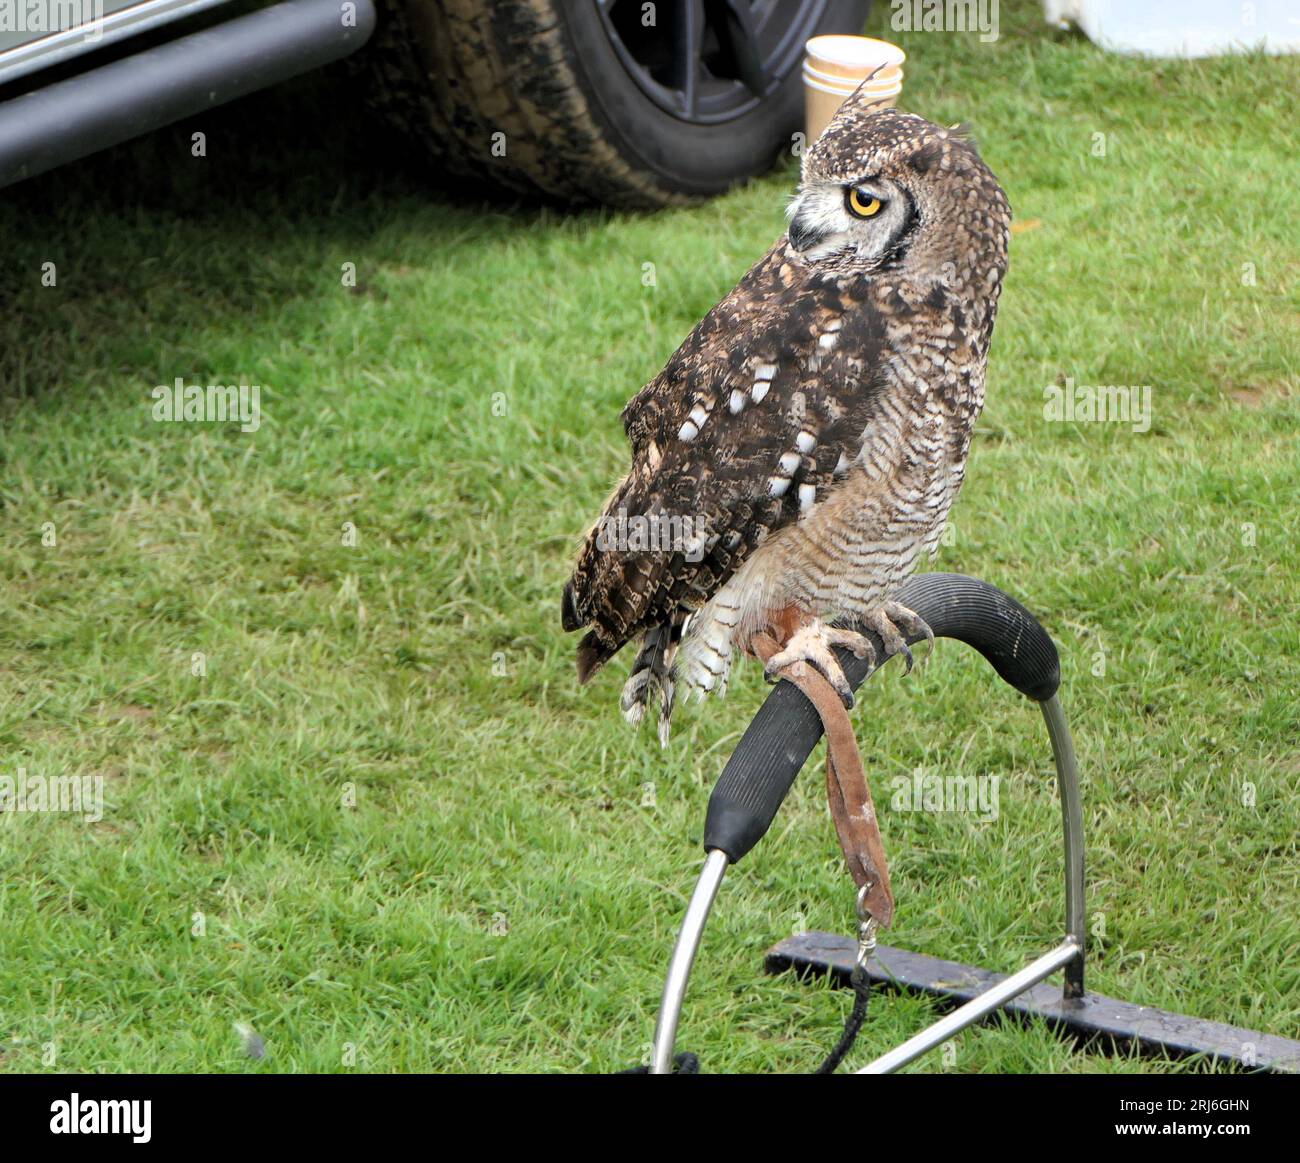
(755, 418)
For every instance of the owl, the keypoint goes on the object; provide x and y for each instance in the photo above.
(799, 454)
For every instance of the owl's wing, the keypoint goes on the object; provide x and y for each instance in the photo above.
(750, 423)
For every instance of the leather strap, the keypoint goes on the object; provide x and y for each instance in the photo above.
(847, 790)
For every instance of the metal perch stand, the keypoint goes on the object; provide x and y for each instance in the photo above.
(762, 770)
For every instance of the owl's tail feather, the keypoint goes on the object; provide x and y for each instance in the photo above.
(592, 655)
(651, 675)
(594, 650)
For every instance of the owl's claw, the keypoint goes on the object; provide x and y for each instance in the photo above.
(887, 621)
(810, 645)
(813, 642)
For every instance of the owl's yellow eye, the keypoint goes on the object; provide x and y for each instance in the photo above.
(862, 204)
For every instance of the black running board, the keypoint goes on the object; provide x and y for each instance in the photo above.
(147, 90)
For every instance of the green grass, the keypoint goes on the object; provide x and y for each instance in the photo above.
(389, 752)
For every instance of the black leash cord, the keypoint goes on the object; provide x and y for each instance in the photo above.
(861, 997)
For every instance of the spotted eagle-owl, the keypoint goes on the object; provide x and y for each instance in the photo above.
(801, 449)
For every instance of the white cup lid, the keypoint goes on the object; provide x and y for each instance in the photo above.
(855, 52)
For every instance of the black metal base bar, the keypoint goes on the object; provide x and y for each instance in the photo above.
(1103, 1021)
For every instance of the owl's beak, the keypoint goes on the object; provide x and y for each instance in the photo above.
(803, 235)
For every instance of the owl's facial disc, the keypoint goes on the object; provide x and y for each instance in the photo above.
(868, 217)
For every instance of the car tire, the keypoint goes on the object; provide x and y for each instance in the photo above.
(528, 96)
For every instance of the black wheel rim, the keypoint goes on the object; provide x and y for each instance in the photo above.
(709, 61)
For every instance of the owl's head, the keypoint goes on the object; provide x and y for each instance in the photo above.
(885, 190)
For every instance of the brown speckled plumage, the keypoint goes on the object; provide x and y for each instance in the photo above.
(816, 421)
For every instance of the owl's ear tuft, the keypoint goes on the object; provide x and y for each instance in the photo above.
(965, 133)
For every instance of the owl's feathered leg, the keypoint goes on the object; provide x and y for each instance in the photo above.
(651, 675)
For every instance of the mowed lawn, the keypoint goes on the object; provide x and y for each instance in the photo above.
(384, 828)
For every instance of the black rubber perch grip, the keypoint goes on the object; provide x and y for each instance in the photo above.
(762, 769)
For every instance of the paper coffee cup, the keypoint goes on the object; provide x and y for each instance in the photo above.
(834, 67)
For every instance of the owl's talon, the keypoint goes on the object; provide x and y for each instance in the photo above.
(911, 622)
(810, 645)
(859, 645)
(886, 622)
